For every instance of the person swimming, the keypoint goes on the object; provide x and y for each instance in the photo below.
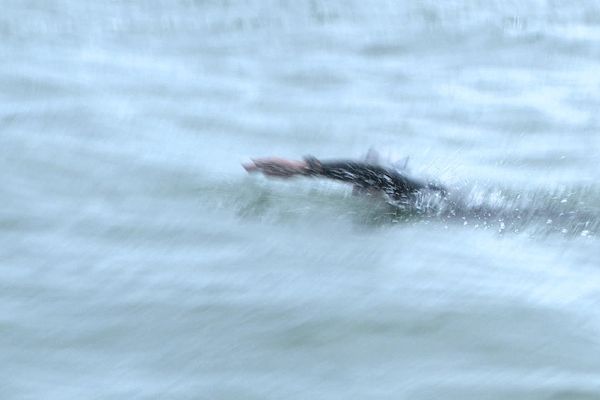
(366, 176)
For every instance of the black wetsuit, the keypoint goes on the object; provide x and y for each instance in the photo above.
(369, 177)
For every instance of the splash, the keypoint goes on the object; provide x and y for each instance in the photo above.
(568, 211)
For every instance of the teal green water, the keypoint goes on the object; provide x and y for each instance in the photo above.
(139, 261)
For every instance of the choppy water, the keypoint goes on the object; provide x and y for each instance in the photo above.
(139, 261)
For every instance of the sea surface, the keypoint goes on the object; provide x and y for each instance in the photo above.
(138, 260)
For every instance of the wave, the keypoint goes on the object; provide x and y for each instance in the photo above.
(569, 211)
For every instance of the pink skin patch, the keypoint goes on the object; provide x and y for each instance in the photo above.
(278, 167)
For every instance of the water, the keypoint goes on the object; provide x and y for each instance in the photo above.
(138, 260)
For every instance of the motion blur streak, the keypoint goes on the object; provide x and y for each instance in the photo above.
(139, 261)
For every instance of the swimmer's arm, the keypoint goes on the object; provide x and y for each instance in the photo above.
(345, 171)
(277, 167)
(362, 175)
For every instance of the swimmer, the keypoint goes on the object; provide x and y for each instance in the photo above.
(367, 177)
